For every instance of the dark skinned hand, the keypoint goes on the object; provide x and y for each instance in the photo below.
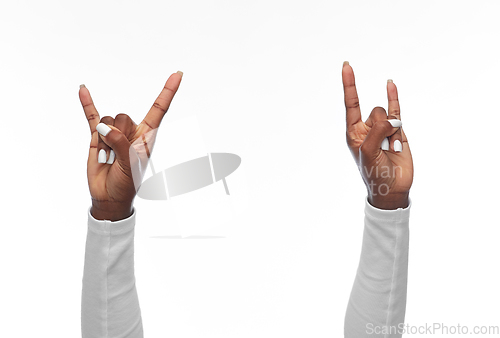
(380, 150)
(119, 151)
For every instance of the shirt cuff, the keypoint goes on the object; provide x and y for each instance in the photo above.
(109, 227)
(387, 215)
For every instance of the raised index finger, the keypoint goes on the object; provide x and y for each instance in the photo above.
(353, 112)
(89, 108)
(160, 107)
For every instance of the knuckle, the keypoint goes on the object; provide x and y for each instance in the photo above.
(379, 109)
(378, 113)
(121, 117)
(169, 89)
(387, 126)
(106, 119)
(395, 111)
(147, 123)
(159, 106)
(114, 136)
(102, 145)
(92, 117)
(352, 103)
(364, 148)
(376, 117)
(382, 127)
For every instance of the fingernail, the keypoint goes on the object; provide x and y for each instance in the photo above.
(385, 144)
(102, 156)
(346, 63)
(82, 86)
(395, 123)
(180, 73)
(390, 81)
(103, 129)
(111, 157)
(398, 147)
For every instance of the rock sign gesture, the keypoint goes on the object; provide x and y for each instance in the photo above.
(119, 151)
(379, 146)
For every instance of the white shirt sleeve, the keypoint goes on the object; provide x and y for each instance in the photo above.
(110, 307)
(377, 303)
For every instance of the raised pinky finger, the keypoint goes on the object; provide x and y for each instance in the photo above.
(395, 141)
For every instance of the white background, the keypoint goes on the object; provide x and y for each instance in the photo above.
(262, 79)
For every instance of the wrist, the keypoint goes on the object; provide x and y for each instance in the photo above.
(111, 210)
(389, 201)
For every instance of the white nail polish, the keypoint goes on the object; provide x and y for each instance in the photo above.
(102, 156)
(385, 144)
(111, 157)
(398, 147)
(396, 123)
(103, 129)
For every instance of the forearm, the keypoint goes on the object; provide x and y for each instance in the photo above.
(110, 307)
(378, 297)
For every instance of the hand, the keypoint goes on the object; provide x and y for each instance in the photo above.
(386, 167)
(113, 183)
